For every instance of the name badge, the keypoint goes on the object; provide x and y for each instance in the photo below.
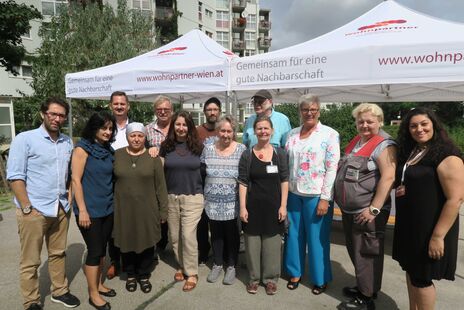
(352, 174)
(272, 169)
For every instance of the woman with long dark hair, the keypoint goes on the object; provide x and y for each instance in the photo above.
(430, 178)
(92, 183)
(181, 151)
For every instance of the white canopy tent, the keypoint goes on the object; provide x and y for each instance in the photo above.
(390, 53)
(191, 66)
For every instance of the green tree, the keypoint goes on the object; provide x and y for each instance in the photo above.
(84, 37)
(291, 110)
(339, 118)
(14, 22)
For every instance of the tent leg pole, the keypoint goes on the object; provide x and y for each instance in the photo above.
(70, 118)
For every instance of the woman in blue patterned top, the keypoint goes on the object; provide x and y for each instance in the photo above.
(92, 183)
(221, 198)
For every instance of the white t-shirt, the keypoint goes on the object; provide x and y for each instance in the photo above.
(120, 139)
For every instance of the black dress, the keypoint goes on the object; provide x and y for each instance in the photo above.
(263, 201)
(417, 213)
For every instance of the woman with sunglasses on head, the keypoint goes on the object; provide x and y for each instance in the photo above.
(430, 177)
(313, 151)
(181, 152)
(92, 183)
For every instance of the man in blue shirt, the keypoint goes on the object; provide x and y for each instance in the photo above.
(38, 171)
(262, 103)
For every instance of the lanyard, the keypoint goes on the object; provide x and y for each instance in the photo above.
(410, 160)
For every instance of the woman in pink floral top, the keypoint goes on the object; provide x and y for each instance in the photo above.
(313, 151)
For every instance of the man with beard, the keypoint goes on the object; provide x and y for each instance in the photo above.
(38, 169)
(207, 135)
(119, 105)
(262, 103)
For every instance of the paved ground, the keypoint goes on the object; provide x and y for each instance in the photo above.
(167, 295)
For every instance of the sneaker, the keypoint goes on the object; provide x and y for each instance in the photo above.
(353, 292)
(34, 306)
(271, 288)
(357, 303)
(229, 277)
(214, 274)
(252, 287)
(68, 300)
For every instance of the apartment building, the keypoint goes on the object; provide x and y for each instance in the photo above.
(239, 25)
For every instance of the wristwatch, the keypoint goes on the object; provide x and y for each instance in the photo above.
(373, 210)
(27, 209)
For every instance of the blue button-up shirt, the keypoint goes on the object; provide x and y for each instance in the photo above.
(43, 164)
(281, 125)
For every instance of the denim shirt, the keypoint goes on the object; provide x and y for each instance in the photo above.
(43, 164)
(281, 125)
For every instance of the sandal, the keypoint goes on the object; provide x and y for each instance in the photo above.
(179, 276)
(131, 284)
(190, 285)
(145, 285)
(293, 285)
(317, 290)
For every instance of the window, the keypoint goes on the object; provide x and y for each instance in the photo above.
(222, 38)
(145, 6)
(250, 41)
(251, 22)
(24, 71)
(222, 4)
(209, 34)
(200, 11)
(222, 19)
(27, 34)
(53, 7)
(208, 13)
(6, 126)
(250, 52)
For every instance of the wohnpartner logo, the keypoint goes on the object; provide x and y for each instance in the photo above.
(172, 51)
(383, 26)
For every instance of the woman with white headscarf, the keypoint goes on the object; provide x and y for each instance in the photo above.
(140, 205)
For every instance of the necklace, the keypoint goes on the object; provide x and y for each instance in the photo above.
(260, 152)
(134, 162)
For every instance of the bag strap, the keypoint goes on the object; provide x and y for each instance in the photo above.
(367, 149)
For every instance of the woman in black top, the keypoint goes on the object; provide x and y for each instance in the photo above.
(430, 176)
(263, 190)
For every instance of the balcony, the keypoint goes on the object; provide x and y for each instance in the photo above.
(238, 5)
(164, 13)
(238, 45)
(239, 24)
(264, 25)
(264, 42)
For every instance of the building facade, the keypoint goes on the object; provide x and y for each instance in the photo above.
(239, 25)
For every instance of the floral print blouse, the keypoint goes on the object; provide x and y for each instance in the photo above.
(313, 161)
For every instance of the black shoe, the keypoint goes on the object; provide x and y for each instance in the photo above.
(68, 300)
(106, 306)
(353, 292)
(357, 303)
(34, 307)
(110, 293)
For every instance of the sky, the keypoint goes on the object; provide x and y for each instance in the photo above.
(296, 21)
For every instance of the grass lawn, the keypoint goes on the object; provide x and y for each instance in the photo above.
(6, 201)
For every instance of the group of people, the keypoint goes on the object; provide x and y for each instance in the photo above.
(134, 187)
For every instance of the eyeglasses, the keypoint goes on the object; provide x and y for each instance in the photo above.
(258, 101)
(159, 110)
(306, 111)
(53, 115)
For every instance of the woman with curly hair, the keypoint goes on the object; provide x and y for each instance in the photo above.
(430, 176)
(181, 152)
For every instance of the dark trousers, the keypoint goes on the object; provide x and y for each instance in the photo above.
(203, 238)
(138, 265)
(365, 245)
(114, 253)
(161, 245)
(225, 240)
(96, 237)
